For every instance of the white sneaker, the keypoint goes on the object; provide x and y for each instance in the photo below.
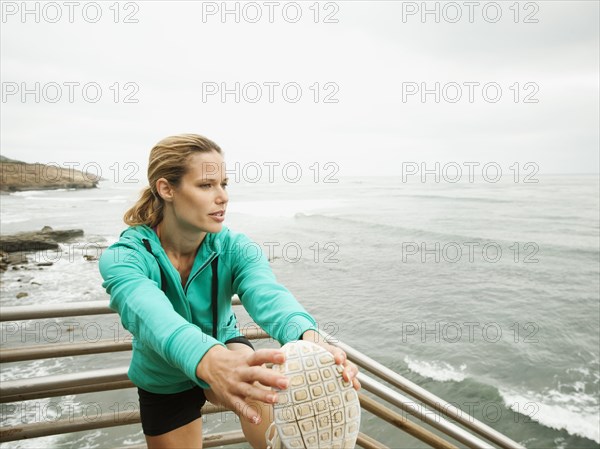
(319, 409)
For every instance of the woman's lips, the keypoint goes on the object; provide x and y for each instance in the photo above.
(218, 216)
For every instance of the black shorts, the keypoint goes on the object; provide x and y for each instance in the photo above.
(161, 413)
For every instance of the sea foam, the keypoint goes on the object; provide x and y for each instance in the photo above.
(436, 370)
(577, 412)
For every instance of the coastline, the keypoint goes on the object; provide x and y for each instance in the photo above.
(18, 176)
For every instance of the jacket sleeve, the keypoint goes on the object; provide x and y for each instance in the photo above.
(148, 314)
(270, 304)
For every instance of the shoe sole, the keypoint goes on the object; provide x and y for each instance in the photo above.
(319, 409)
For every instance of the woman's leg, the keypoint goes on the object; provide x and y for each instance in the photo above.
(172, 420)
(255, 434)
(188, 436)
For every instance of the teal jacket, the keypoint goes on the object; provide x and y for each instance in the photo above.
(172, 330)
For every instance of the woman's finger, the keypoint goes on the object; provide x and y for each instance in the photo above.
(338, 355)
(245, 410)
(265, 376)
(350, 371)
(266, 356)
(251, 392)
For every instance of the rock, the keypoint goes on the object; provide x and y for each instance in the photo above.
(19, 176)
(29, 242)
(7, 259)
(3, 261)
(45, 239)
(22, 295)
(14, 248)
(16, 258)
(90, 258)
(63, 236)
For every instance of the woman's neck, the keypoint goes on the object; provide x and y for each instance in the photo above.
(178, 242)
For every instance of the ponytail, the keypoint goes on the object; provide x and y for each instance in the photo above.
(148, 210)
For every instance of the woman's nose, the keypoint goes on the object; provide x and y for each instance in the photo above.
(222, 195)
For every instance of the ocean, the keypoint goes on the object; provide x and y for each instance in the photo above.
(486, 294)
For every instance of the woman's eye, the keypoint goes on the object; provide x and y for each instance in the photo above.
(204, 186)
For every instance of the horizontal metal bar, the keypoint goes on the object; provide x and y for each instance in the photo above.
(223, 439)
(64, 391)
(80, 423)
(423, 395)
(210, 440)
(366, 442)
(52, 350)
(226, 438)
(42, 311)
(425, 415)
(77, 424)
(403, 423)
(34, 312)
(254, 333)
(58, 384)
(47, 351)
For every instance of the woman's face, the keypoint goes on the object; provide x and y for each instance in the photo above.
(200, 200)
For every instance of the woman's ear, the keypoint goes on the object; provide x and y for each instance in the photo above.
(164, 189)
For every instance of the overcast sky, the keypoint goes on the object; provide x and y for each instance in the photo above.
(538, 61)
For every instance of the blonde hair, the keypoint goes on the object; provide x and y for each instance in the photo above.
(168, 159)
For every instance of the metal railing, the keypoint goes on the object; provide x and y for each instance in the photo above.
(426, 407)
(424, 396)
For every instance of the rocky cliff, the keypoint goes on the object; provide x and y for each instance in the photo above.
(17, 176)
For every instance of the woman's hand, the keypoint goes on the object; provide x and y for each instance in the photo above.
(231, 377)
(339, 356)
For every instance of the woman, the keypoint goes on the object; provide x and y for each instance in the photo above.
(171, 277)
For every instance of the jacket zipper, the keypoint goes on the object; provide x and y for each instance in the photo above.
(198, 271)
(189, 281)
